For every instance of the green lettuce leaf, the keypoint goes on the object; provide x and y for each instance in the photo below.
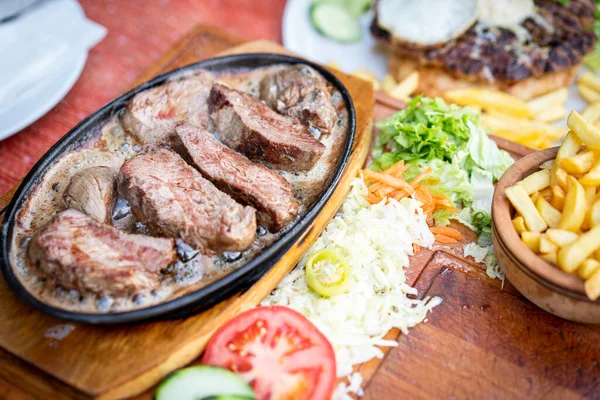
(426, 129)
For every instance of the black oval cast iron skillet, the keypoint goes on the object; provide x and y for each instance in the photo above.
(205, 297)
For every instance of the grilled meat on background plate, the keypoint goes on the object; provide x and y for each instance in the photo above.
(173, 199)
(247, 182)
(539, 53)
(152, 115)
(92, 191)
(79, 253)
(300, 92)
(247, 125)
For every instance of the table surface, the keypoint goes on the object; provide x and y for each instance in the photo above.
(139, 32)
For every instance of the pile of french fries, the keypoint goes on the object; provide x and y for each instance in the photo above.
(558, 207)
(509, 117)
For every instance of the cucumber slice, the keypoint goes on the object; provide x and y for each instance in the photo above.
(335, 22)
(204, 383)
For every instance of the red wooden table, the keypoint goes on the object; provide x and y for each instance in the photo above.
(139, 31)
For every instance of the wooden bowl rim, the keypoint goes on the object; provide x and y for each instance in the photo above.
(508, 236)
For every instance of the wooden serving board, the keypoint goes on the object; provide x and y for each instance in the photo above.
(117, 362)
(483, 341)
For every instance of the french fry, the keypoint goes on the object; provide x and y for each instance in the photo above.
(573, 254)
(388, 83)
(550, 257)
(490, 100)
(546, 245)
(569, 147)
(534, 196)
(594, 214)
(523, 204)
(531, 139)
(546, 193)
(592, 178)
(561, 178)
(579, 163)
(531, 240)
(592, 112)
(561, 237)
(590, 80)
(547, 164)
(558, 197)
(552, 114)
(586, 131)
(519, 224)
(367, 76)
(573, 212)
(407, 87)
(587, 268)
(592, 286)
(333, 64)
(536, 181)
(555, 98)
(550, 214)
(588, 94)
(496, 120)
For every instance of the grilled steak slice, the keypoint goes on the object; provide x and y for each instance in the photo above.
(92, 191)
(251, 127)
(301, 92)
(247, 182)
(172, 198)
(152, 115)
(77, 252)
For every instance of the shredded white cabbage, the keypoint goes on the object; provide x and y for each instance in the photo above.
(485, 254)
(376, 240)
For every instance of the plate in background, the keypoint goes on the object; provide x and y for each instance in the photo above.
(34, 100)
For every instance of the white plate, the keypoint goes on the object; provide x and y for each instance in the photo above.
(40, 99)
(300, 37)
(36, 100)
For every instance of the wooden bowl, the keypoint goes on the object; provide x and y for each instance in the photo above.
(543, 284)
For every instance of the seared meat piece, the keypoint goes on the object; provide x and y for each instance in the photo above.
(92, 191)
(79, 253)
(301, 92)
(251, 127)
(172, 198)
(248, 182)
(152, 115)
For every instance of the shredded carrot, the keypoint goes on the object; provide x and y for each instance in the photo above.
(446, 231)
(423, 195)
(397, 169)
(391, 184)
(373, 199)
(416, 248)
(420, 177)
(388, 180)
(443, 239)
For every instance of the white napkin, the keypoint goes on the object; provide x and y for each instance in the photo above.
(35, 46)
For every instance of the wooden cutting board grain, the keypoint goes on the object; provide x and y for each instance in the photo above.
(484, 341)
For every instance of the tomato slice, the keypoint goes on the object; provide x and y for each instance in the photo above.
(279, 352)
(327, 273)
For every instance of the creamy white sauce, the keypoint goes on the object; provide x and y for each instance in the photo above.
(111, 147)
